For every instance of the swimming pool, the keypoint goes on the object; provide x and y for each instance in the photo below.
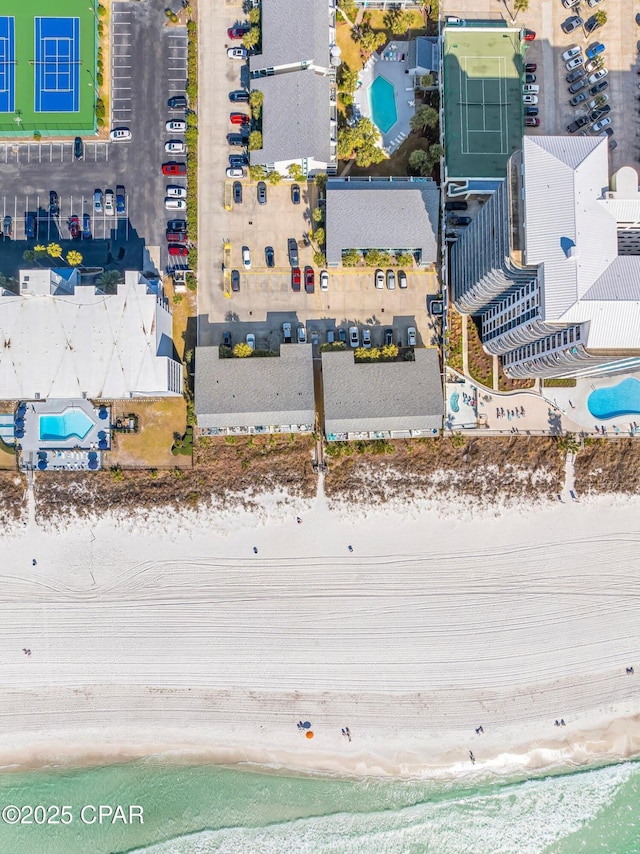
(382, 100)
(65, 425)
(615, 401)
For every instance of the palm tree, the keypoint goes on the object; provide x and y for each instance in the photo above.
(108, 278)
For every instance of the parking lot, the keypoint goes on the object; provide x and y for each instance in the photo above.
(148, 66)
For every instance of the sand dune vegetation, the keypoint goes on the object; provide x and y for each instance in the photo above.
(609, 465)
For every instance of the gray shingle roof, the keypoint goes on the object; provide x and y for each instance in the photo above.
(293, 31)
(255, 391)
(394, 396)
(296, 113)
(382, 215)
(424, 53)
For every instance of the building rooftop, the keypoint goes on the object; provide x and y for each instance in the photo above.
(62, 340)
(382, 396)
(254, 391)
(296, 117)
(293, 31)
(382, 214)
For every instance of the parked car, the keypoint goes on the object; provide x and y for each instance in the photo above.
(179, 251)
(238, 96)
(599, 112)
(234, 172)
(529, 78)
(529, 99)
(292, 251)
(54, 204)
(109, 203)
(302, 335)
(177, 102)
(176, 237)
(120, 135)
(172, 191)
(238, 161)
(86, 226)
(531, 122)
(295, 279)
(286, 333)
(177, 225)
(74, 227)
(354, 336)
(236, 139)
(342, 335)
(391, 281)
(175, 204)
(456, 206)
(591, 25)
(592, 65)
(226, 340)
(578, 86)
(7, 227)
(599, 101)
(366, 339)
(578, 99)
(459, 220)
(530, 88)
(238, 31)
(251, 340)
(576, 74)
(29, 226)
(121, 207)
(239, 119)
(568, 4)
(528, 35)
(530, 67)
(331, 336)
(295, 194)
(237, 193)
(78, 148)
(174, 168)
(379, 279)
(601, 125)
(612, 144)
(324, 280)
(175, 126)
(606, 132)
(246, 257)
(411, 337)
(571, 24)
(308, 280)
(571, 52)
(175, 146)
(599, 87)
(575, 62)
(235, 281)
(402, 279)
(97, 201)
(595, 50)
(269, 256)
(262, 193)
(531, 111)
(602, 72)
(593, 3)
(237, 53)
(388, 336)
(580, 122)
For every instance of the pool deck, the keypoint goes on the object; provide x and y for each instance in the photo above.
(62, 453)
(393, 70)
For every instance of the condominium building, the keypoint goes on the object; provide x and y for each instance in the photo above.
(551, 264)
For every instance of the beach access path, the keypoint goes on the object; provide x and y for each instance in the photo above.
(432, 626)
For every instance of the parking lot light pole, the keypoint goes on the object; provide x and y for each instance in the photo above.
(92, 8)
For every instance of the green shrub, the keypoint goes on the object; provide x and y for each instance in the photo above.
(102, 11)
(100, 29)
(100, 78)
(350, 258)
(100, 108)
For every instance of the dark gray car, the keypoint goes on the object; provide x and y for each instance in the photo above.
(262, 193)
(292, 249)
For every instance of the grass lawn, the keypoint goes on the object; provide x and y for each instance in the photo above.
(150, 447)
(454, 359)
(184, 333)
(350, 50)
(397, 164)
(8, 458)
(416, 24)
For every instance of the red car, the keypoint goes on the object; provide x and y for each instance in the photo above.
(74, 227)
(182, 251)
(239, 119)
(531, 122)
(529, 35)
(308, 279)
(295, 279)
(237, 31)
(174, 168)
(176, 237)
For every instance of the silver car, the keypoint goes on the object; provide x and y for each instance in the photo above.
(354, 336)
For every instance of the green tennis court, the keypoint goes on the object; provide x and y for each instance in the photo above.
(47, 68)
(483, 111)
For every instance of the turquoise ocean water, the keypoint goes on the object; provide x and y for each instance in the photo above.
(198, 809)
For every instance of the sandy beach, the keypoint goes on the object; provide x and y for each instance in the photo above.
(170, 636)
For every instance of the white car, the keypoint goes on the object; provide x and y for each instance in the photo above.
(120, 135)
(530, 100)
(601, 125)
(569, 54)
(402, 279)
(176, 125)
(175, 204)
(246, 257)
(569, 4)
(354, 336)
(302, 335)
(598, 75)
(366, 339)
(593, 3)
(411, 337)
(251, 340)
(235, 172)
(237, 52)
(391, 281)
(175, 146)
(530, 88)
(324, 281)
(109, 208)
(174, 192)
(379, 279)
(575, 62)
(599, 101)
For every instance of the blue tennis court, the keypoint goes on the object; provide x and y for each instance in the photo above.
(57, 70)
(7, 65)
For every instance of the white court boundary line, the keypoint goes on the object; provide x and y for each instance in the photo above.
(503, 130)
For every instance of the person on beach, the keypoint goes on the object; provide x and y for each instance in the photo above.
(350, 548)
(348, 732)
(298, 520)
(472, 757)
(255, 550)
